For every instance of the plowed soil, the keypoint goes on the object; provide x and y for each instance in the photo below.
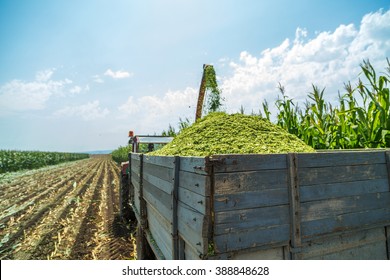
(69, 211)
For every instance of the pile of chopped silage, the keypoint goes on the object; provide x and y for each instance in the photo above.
(221, 133)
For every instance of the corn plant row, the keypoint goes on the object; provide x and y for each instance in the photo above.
(361, 119)
(11, 160)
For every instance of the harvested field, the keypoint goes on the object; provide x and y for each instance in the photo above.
(68, 211)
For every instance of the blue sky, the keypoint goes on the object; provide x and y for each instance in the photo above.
(77, 75)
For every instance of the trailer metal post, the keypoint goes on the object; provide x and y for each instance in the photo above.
(142, 202)
(295, 213)
(131, 192)
(175, 200)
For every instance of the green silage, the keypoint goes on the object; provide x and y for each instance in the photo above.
(220, 133)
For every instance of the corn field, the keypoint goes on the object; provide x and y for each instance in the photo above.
(19, 160)
(361, 119)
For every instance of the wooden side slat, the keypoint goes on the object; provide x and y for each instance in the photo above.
(193, 228)
(387, 231)
(194, 200)
(250, 181)
(238, 163)
(164, 161)
(135, 180)
(345, 222)
(197, 183)
(135, 164)
(266, 236)
(161, 172)
(340, 159)
(135, 156)
(165, 186)
(366, 244)
(160, 229)
(232, 202)
(317, 210)
(262, 254)
(191, 253)
(234, 221)
(137, 204)
(337, 174)
(334, 190)
(194, 165)
(158, 199)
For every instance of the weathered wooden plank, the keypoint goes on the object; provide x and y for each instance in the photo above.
(194, 165)
(334, 190)
(191, 253)
(192, 237)
(230, 202)
(135, 180)
(181, 248)
(387, 231)
(344, 222)
(134, 156)
(365, 244)
(161, 172)
(250, 181)
(158, 199)
(136, 199)
(317, 210)
(193, 219)
(340, 158)
(194, 200)
(268, 252)
(165, 186)
(135, 164)
(152, 242)
(197, 183)
(263, 254)
(238, 163)
(165, 161)
(233, 221)
(252, 238)
(387, 155)
(160, 229)
(338, 174)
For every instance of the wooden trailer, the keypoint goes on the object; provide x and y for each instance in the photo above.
(324, 205)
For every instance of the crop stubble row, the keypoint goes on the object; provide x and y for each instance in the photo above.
(76, 219)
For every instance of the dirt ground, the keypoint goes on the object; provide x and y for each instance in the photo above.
(68, 211)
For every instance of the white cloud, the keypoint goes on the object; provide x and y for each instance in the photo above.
(75, 89)
(154, 111)
(88, 112)
(118, 74)
(45, 75)
(97, 79)
(327, 60)
(18, 95)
